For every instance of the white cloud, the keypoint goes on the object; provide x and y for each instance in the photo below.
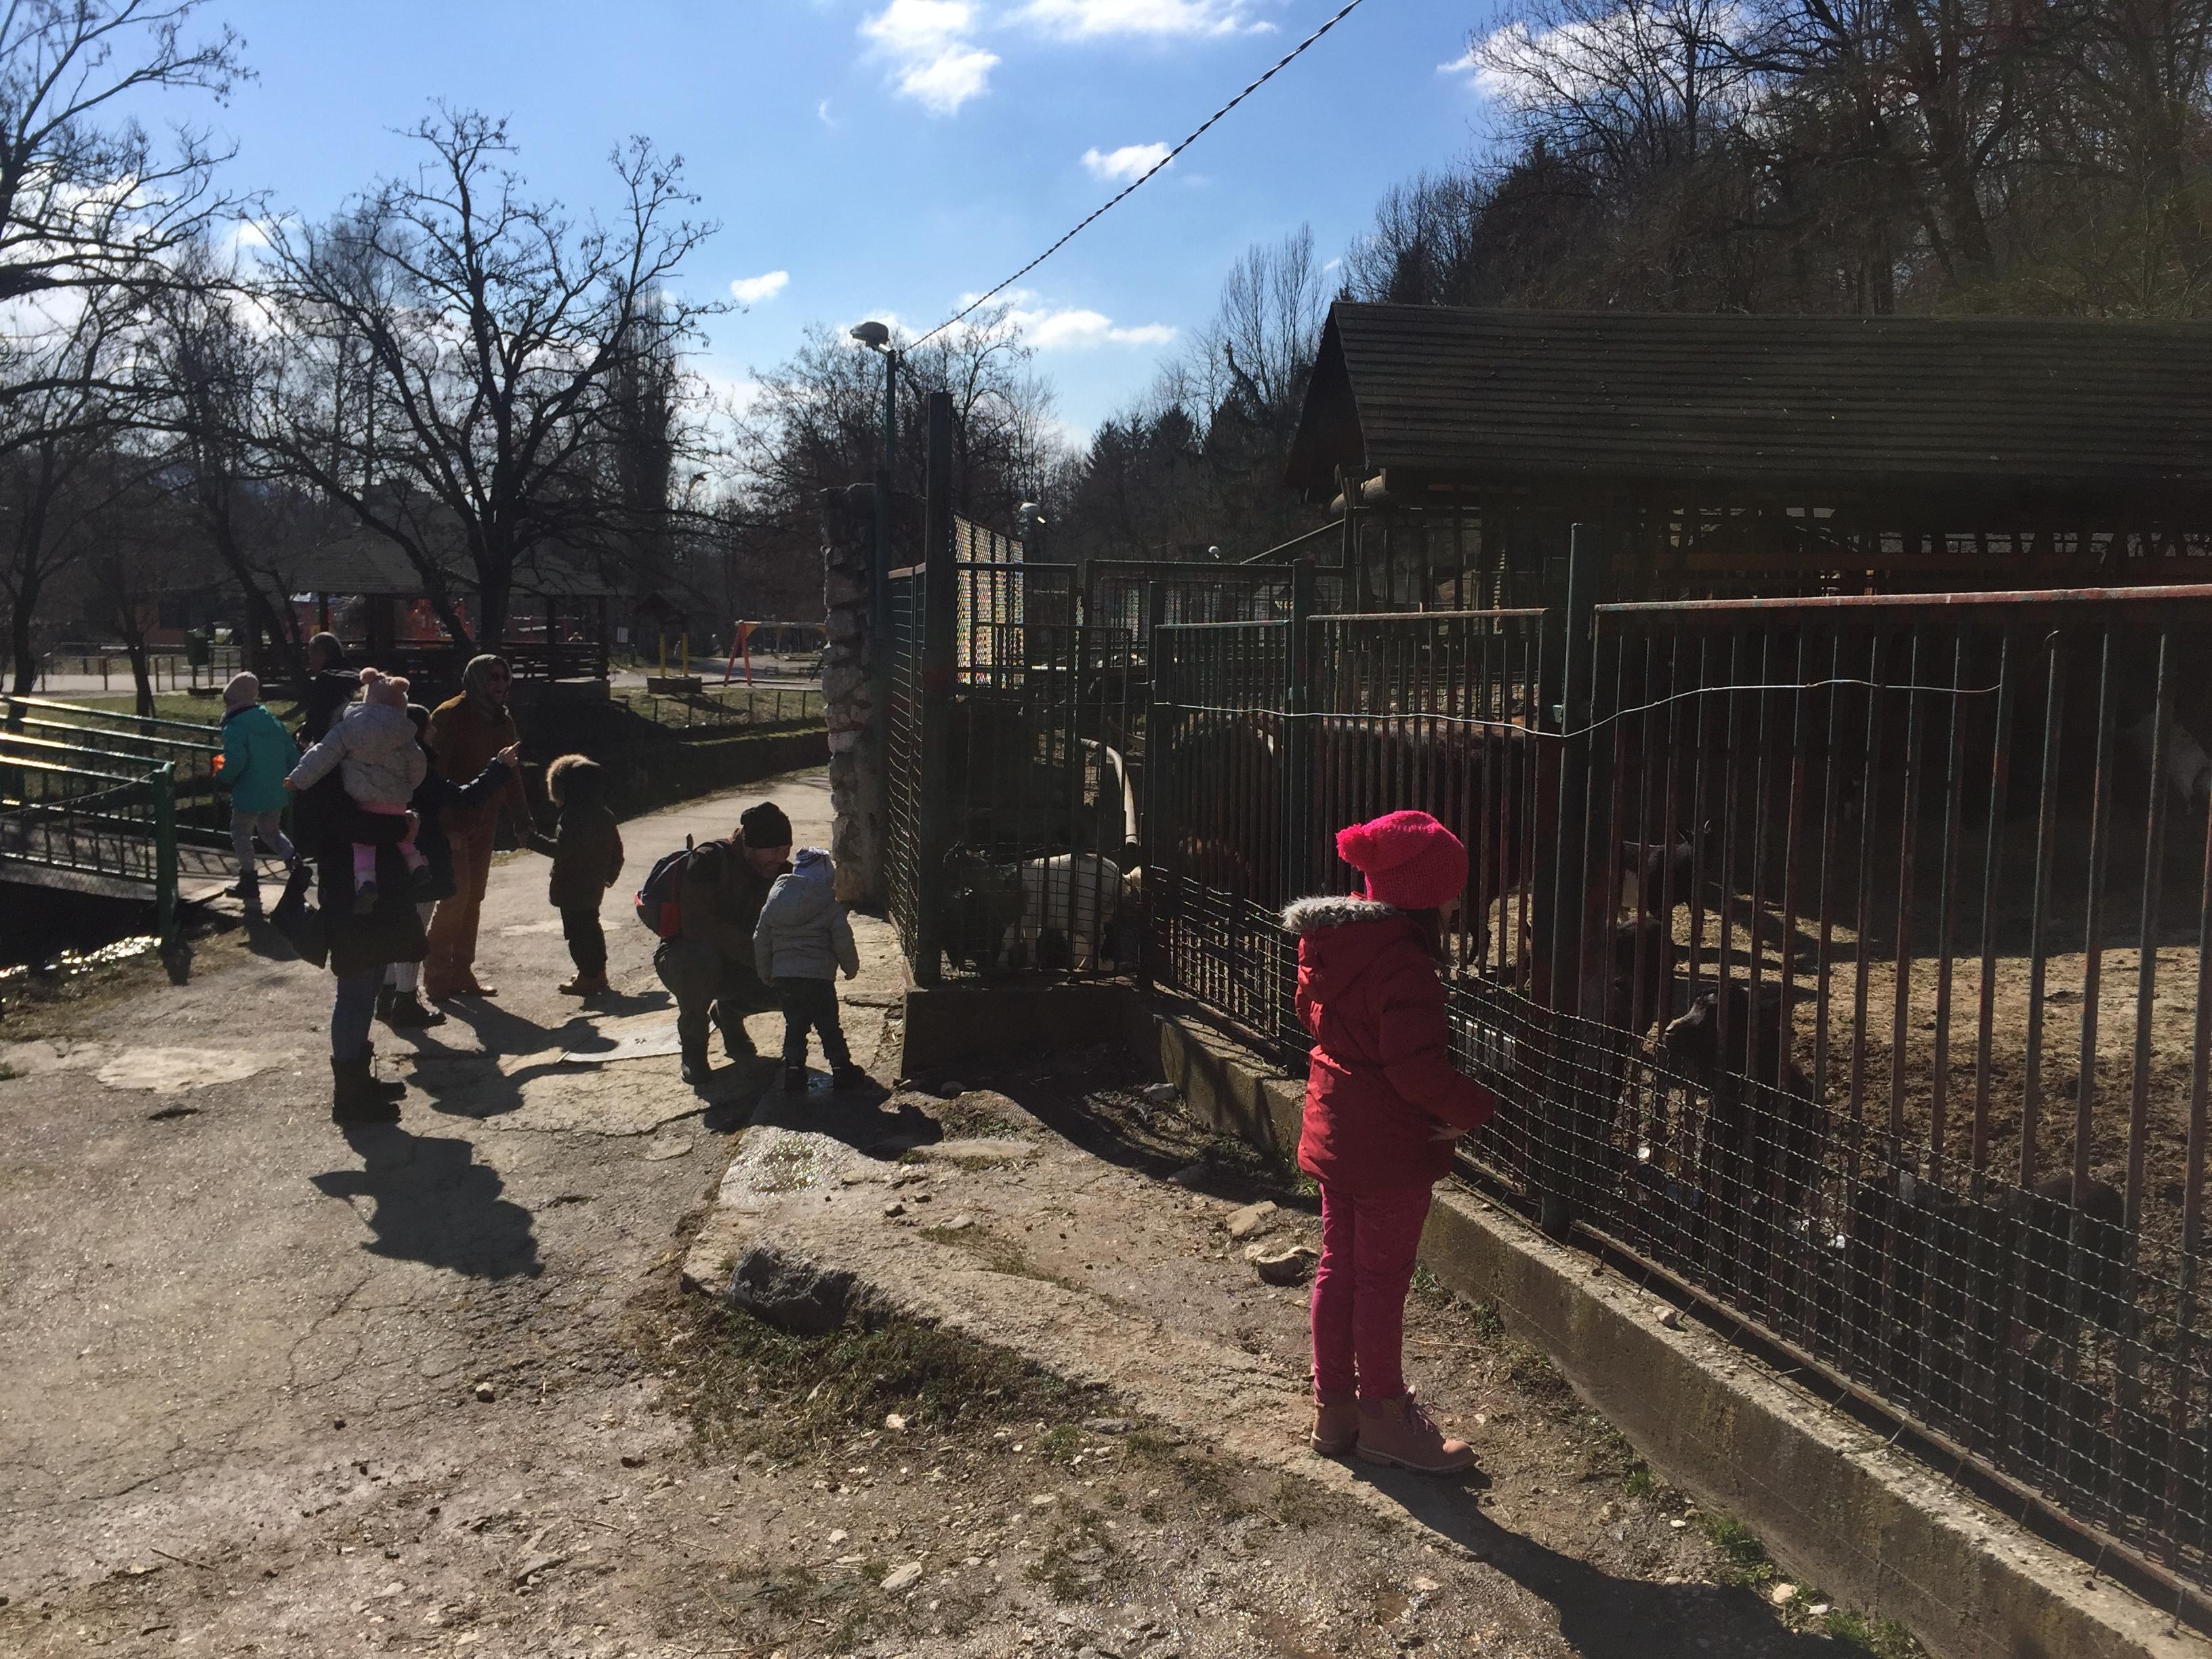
(1076, 328)
(752, 290)
(822, 114)
(934, 58)
(1125, 165)
(1091, 20)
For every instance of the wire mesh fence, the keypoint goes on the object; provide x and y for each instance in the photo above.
(1864, 995)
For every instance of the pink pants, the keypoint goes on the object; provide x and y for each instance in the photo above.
(364, 855)
(1368, 1247)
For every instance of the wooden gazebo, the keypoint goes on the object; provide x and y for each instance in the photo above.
(367, 591)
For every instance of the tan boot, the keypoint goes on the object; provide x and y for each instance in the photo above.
(1335, 1428)
(1400, 1431)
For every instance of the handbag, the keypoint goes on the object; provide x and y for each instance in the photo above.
(299, 922)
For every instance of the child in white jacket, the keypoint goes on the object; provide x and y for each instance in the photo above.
(374, 746)
(800, 942)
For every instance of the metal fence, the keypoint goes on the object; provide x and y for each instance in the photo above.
(59, 810)
(1842, 962)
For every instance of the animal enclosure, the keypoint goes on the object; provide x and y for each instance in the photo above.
(1841, 960)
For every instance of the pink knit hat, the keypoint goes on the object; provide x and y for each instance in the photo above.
(1411, 861)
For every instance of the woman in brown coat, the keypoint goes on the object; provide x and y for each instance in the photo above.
(587, 859)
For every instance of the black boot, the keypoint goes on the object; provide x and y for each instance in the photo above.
(384, 1003)
(738, 1045)
(407, 1011)
(354, 1097)
(849, 1076)
(795, 1079)
(385, 1090)
(698, 1065)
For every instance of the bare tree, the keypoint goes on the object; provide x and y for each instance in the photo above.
(53, 438)
(202, 368)
(497, 332)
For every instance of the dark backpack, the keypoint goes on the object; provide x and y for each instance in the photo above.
(659, 902)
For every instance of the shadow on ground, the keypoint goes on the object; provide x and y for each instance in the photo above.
(434, 1203)
(1601, 1615)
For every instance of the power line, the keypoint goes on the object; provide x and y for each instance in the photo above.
(1198, 133)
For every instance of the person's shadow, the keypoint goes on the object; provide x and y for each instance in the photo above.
(465, 1083)
(1600, 1615)
(856, 1118)
(435, 1204)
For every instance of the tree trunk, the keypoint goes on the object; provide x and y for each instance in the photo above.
(133, 644)
(19, 637)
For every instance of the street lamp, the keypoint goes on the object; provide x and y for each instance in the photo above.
(876, 337)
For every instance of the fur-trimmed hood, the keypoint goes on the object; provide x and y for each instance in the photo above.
(1309, 916)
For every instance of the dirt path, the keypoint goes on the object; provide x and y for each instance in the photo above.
(239, 1403)
(435, 1390)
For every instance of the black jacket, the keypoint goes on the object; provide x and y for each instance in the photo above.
(438, 795)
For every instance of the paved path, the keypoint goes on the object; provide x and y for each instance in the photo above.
(238, 1399)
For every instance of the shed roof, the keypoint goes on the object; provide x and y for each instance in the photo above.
(2017, 408)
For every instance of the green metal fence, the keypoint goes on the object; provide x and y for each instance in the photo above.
(75, 817)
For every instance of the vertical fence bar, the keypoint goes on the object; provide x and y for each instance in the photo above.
(163, 782)
(939, 618)
(1585, 565)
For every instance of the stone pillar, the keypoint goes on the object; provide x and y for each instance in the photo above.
(848, 662)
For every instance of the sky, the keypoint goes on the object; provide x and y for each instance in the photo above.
(885, 158)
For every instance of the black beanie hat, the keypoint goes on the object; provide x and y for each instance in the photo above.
(764, 826)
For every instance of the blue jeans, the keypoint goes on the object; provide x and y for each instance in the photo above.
(351, 1010)
(811, 1005)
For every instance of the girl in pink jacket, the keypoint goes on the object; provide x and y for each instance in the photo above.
(1383, 1105)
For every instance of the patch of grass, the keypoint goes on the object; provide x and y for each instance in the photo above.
(1429, 1288)
(1296, 1504)
(1059, 1443)
(745, 1385)
(1489, 1324)
(1639, 1482)
(1080, 1561)
(1202, 1477)
(1748, 1563)
(967, 1118)
(1607, 1456)
(1884, 1638)
(8, 1074)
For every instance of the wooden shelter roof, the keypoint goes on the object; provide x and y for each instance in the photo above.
(2038, 413)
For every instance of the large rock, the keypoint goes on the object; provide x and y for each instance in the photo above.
(1251, 1221)
(1282, 1264)
(792, 1293)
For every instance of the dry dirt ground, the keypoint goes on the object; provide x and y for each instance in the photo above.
(275, 1389)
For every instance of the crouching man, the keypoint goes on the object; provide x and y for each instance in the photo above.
(708, 966)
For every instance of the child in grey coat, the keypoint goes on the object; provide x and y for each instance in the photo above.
(801, 941)
(373, 748)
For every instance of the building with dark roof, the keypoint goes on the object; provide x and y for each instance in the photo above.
(1756, 454)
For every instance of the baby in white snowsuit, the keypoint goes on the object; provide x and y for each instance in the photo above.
(373, 745)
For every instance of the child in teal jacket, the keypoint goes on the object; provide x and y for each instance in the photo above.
(258, 753)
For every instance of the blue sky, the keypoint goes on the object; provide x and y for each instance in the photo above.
(891, 155)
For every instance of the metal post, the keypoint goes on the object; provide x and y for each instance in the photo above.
(1297, 768)
(877, 655)
(940, 607)
(1563, 939)
(163, 779)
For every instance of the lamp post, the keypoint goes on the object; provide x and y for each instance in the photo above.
(877, 337)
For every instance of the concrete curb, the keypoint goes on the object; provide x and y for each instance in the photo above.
(1829, 1500)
